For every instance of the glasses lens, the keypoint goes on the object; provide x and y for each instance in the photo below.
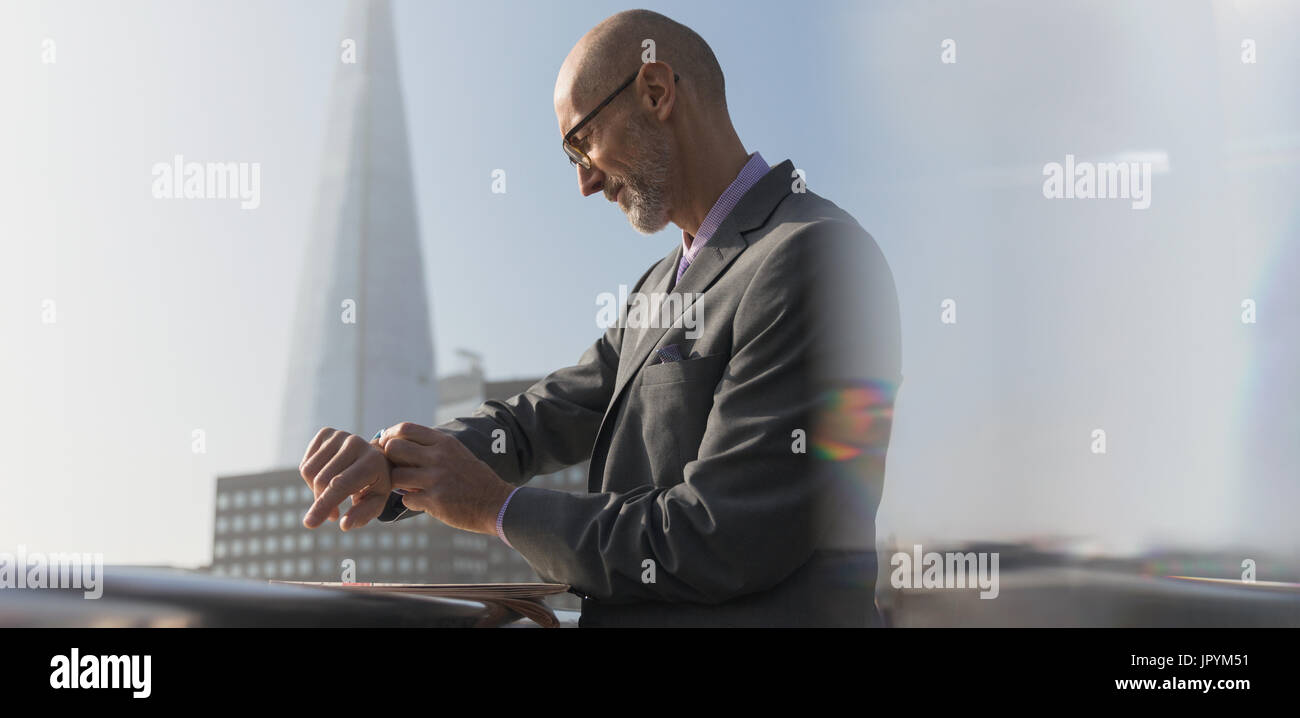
(576, 156)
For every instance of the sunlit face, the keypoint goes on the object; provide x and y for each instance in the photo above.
(631, 158)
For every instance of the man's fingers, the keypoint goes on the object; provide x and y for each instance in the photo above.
(410, 453)
(315, 444)
(346, 454)
(353, 479)
(364, 510)
(413, 479)
(411, 431)
(328, 449)
(326, 505)
(418, 502)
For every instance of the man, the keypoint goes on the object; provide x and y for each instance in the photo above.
(737, 439)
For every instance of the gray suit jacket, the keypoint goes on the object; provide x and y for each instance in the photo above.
(722, 475)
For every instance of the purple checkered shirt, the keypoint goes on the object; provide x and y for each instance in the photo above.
(749, 175)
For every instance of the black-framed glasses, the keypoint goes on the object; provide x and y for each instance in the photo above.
(577, 156)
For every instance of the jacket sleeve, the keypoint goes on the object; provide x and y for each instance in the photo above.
(548, 427)
(746, 515)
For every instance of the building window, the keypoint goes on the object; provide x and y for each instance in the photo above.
(237, 547)
(326, 541)
(236, 570)
(237, 523)
(219, 550)
(367, 540)
(255, 522)
(386, 565)
(272, 496)
(223, 524)
(463, 540)
(304, 542)
(304, 567)
(421, 564)
(272, 545)
(286, 568)
(223, 501)
(422, 540)
(346, 541)
(386, 539)
(290, 517)
(293, 494)
(406, 539)
(241, 500)
(254, 547)
(270, 569)
(404, 564)
(325, 566)
(254, 570)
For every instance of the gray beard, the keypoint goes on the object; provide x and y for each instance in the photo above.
(646, 185)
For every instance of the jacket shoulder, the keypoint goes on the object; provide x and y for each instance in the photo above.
(806, 221)
(810, 208)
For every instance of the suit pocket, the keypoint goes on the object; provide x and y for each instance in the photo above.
(674, 401)
(697, 369)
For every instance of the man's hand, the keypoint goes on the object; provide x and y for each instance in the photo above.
(338, 465)
(447, 481)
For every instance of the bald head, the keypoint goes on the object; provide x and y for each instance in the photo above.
(663, 149)
(614, 49)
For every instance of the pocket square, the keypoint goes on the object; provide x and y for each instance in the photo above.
(670, 353)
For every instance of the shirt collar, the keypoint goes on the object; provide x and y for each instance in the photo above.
(749, 175)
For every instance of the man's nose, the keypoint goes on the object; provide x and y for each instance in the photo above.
(590, 181)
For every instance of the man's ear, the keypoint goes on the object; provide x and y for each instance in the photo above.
(657, 89)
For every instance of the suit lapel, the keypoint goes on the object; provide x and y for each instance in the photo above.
(727, 243)
(640, 330)
(721, 250)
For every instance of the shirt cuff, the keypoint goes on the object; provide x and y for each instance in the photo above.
(501, 516)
